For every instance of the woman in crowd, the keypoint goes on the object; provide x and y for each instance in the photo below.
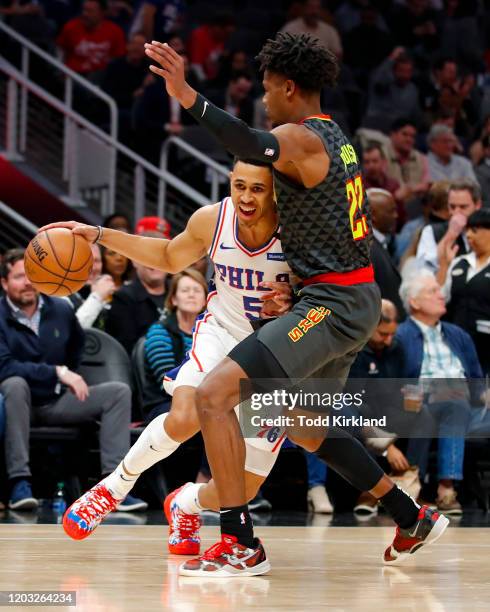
(169, 339)
(117, 266)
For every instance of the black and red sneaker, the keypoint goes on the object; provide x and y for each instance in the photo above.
(228, 558)
(429, 527)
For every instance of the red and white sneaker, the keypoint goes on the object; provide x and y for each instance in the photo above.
(429, 527)
(183, 529)
(228, 558)
(85, 514)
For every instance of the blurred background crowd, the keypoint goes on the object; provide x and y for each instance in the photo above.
(414, 96)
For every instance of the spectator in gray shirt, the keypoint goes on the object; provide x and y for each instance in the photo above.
(444, 164)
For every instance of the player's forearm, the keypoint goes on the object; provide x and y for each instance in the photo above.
(150, 252)
(233, 133)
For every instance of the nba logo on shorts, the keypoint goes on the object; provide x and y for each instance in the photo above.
(269, 152)
(242, 518)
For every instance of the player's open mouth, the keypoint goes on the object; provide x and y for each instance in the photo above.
(247, 211)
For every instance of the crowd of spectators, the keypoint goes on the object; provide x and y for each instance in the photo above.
(413, 93)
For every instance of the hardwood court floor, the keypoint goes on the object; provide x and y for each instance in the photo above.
(127, 568)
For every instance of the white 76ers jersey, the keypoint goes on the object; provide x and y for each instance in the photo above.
(235, 298)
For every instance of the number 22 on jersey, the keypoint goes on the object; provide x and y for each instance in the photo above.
(355, 196)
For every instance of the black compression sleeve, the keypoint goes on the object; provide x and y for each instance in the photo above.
(234, 134)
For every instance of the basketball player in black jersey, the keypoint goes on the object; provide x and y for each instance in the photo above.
(325, 233)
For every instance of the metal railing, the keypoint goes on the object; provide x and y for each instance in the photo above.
(136, 197)
(16, 230)
(52, 130)
(215, 169)
(17, 140)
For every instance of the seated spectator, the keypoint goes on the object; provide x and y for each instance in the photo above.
(231, 63)
(482, 171)
(383, 218)
(157, 19)
(477, 148)
(404, 163)
(415, 24)
(153, 226)
(29, 18)
(311, 23)
(169, 340)
(121, 13)
(119, 267)
(207, 43)
(156, 116)
(444, 164)
(136, 306)
(90, 42)
(434, 210)
(123, 80)
(118, 221)
(381, 358)
(464, 197)
(367, 45)
(41, 344)
(374, 175)
(392, 93)
(91, 303)
(435, 350)
(236, 99)
(466, 284)
(443, 73)
(348, 16)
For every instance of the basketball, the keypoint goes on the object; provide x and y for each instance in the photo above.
(58, 262)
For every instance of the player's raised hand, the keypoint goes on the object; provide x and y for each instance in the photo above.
(172, 69)
(89, 232)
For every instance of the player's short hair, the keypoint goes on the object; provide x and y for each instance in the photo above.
(480, 218)
(11, 257)
(469, 185)
(301, 58)
(174, 283)
(252, 162)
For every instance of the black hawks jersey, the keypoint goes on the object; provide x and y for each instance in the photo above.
(326, 228)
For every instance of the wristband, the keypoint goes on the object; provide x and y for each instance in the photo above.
(100, 230)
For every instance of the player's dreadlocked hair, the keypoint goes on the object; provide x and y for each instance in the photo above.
(301, 58)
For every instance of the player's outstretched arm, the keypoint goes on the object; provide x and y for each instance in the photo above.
(286, 144)
(159, 253)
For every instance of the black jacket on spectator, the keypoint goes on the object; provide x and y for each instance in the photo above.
(469, 307)
(34, 357)
(389, 363)
(132, 312)
(440, 229)
(387, 276)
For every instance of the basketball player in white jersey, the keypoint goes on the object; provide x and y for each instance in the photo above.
(240, 235)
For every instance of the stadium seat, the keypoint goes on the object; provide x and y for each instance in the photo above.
(104, 359)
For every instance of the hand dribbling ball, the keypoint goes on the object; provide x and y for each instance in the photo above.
(58, 262)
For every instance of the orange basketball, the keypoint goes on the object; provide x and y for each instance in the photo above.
(58, 262)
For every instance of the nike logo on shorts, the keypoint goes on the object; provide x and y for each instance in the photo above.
(206, 104)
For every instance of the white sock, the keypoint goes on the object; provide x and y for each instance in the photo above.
(188, 499)
(153, 445)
